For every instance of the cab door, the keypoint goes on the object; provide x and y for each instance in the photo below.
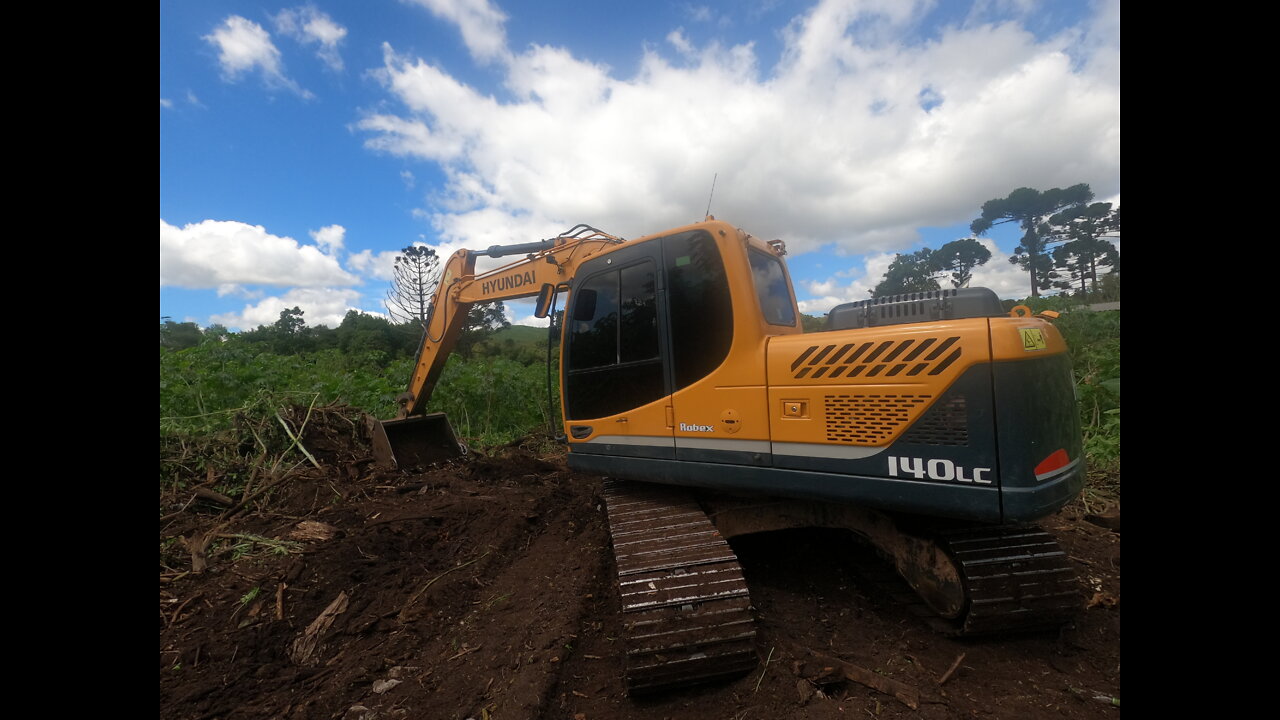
(719, 406)
(616, 375)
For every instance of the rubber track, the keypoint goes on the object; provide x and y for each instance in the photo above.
(686, 610)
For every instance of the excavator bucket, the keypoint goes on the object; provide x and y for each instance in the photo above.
(412, 441)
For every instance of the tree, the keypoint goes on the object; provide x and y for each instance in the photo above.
(177, 336)
(813, 323)
(1031, 208)
(909, 273)
(960, 257)
(413, 283)
(483, 320)
(288, 333)
(290, 322)
(360, 332)
(1083, 232)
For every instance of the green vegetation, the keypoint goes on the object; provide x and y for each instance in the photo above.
(231, 404)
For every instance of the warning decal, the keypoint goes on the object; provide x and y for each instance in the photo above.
(1033, 339)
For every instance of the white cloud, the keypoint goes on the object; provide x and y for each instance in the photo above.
(329, 238)
(309, 25)
(819, 296)
(215, 253)
(530, 320)
(704, 14)
(700, 13)
(480, 22)
(244, 46)
(166, 103)
(376, 265)
(833, 145)
(680, 42)
(240, 291)
(408, 179)
(1005, 278)
(520, 312)
(320, 306)
(381, 265)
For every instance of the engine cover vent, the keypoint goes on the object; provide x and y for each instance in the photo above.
(868, 419)
(946, 423)
(916, 307)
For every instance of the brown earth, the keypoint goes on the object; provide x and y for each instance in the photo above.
(482, 588)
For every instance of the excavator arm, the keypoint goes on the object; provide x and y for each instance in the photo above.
(546, 264)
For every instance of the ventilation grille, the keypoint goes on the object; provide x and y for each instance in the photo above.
(946, 423)
(887, 358)
(868, 419)
(916, 307)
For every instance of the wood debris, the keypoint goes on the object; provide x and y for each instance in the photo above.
(303, 647)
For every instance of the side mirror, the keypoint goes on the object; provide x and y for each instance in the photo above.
(545, 295)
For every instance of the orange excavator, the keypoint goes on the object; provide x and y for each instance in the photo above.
(933, 424)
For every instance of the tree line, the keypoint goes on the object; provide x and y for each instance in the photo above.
(1066, 245)
(358, 332)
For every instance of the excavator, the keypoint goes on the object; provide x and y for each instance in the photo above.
(935, 425)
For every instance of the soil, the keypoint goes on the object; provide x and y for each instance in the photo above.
(482, 588)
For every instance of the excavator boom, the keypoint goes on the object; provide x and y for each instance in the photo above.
(415, 437)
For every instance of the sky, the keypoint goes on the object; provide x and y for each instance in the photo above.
(302, 146)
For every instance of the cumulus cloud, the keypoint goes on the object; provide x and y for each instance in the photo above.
(243, 47)
(818, 296)
(861, 133)
(311, 26)
(320, 306)
(376, 265)
(381, 265)
(329, 238)
(214, 253)
(520, 313)
(480, 22)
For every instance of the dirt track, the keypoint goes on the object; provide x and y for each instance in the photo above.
(482, 589)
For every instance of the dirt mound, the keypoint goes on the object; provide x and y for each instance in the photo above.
(482, 589)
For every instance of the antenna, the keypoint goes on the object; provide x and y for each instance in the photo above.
(713, 194)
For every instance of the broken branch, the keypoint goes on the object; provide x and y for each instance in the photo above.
(947, 675)
(401, 615)
(765, 670)
(904, 693)
(304, 646)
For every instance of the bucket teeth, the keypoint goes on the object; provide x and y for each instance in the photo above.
(686, 611)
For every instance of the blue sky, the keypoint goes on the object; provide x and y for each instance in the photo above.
(302, 145)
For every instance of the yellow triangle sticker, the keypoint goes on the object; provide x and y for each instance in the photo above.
(1033, 339)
